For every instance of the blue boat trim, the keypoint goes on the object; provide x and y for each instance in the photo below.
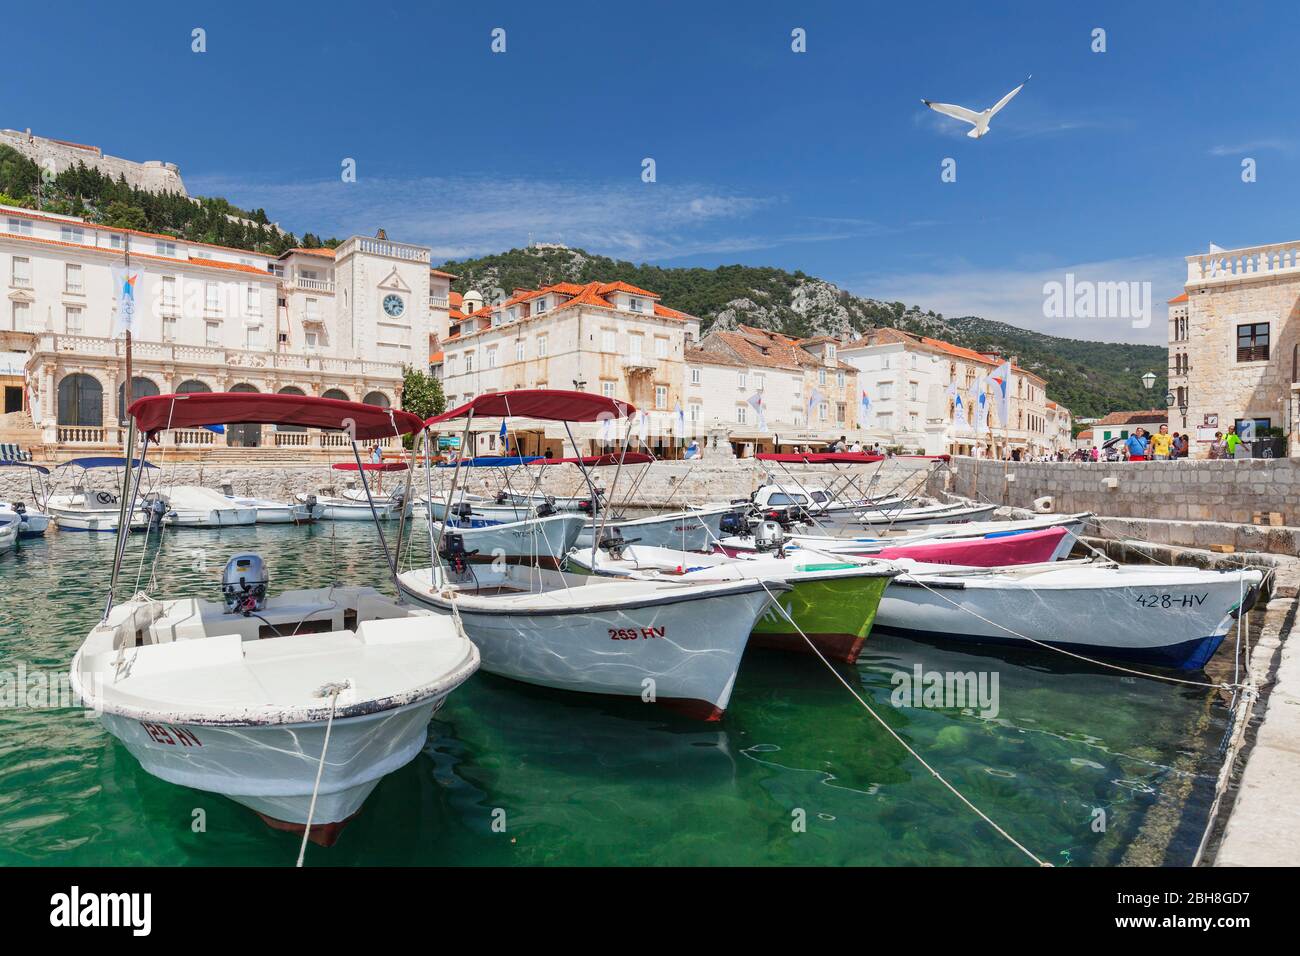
(1190, 655)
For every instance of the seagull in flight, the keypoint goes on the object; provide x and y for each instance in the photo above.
(979, 121)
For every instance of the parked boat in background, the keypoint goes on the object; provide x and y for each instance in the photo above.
(277, 512)
(540, 541)
(31, 522)
(992, 549)
(193, 506)
(87, 509)
(1168, 616)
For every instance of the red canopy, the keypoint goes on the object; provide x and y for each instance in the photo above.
(592, 461)
(369, 466)
(196, 409)
(823, 458)
(549, 404)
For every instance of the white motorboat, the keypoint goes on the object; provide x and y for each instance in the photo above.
(695, 529)
(346, 509)
(351, 504)
(672, 643)
(541, 541)
(239, 705)
(913, 517)
(864, 543)
(1169, 616)
(31, 523)
(295, 705)
(677, 644)
(89, 509)
(193, 506)
(278, 512)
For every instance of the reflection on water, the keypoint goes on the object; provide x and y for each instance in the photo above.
(518, 775)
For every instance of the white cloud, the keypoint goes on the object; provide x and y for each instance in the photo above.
(1017, 297)
(466, 216)
(1252, 146)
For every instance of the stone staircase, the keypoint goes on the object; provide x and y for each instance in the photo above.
(17, 428)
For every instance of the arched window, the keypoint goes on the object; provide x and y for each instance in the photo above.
(81, 400)
(291, 390)
(335, 393)
(140, 388)
(377, 398)
(191, 386)
(244, 436)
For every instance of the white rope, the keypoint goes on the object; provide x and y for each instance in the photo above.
(320, 769)
(919, 759)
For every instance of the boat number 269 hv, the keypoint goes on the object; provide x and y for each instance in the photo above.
(635, 633)
(1168, 601)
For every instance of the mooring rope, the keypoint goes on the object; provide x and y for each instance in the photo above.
(334, 690)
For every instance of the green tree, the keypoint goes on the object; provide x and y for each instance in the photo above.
(421, 395)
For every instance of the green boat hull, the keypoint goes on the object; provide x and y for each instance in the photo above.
(835, 613)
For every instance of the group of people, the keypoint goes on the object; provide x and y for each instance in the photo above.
(1162, 446)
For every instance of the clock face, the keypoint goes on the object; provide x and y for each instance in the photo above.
(394, 305)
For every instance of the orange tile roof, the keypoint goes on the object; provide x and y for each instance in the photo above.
(1178, 298)
(1085, 435)
(455, 300)
(322, 251)
(239, 266)
(705, 357)
(1148, 417)
(442, 275)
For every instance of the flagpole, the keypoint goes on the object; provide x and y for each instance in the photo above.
(126, 390)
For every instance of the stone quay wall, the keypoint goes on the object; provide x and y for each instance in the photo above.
(666, 482)
(1187, 502)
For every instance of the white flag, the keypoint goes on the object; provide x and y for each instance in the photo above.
(755, 402)
(1000, 378)
(866, 411)
(643, 427)
(982, 404)
(126, 288)
(958, 407)
(815, 399)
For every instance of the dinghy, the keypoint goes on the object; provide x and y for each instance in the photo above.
(192, 506)
(31, 524)
(914, 517)
(672, 643)
(1167, 616)
(88, 509)
(831, 600)
(295, 705)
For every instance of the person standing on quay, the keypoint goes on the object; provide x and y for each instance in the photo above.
(1231, 442)
(1136, 444)
(1162, 444)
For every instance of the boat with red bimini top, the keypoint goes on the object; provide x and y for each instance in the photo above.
(673, 643)
(294, 704)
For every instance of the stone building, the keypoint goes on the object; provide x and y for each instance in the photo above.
(338, 323)
(1234, 343)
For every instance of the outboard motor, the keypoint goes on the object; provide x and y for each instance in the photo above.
(310, 501)
(244, 583)
(19, 508)
(612, 543)
(768, 537)
(454, 553)
(588, 506)
(156, 508)
(501, 497)
(462, 510)
(546, 508)
(734, 524)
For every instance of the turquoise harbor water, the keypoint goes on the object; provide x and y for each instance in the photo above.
(593, 783)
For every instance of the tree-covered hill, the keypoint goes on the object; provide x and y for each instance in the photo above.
(1089, 378)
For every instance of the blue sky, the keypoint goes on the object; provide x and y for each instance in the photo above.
(1112, 166)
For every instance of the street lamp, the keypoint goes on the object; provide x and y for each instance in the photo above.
(1149, 380)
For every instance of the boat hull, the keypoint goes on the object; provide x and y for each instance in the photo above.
(677, 651)
(835, 613)
(683, 531)
(210, 518)
(540, 541)
(272, 769)
(989, 551)
(77, 520)
(1175, 623)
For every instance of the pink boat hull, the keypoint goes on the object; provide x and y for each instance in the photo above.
(1028, 547)
(1031, 547)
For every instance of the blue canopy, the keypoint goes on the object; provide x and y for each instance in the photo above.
(491, 462)
(104, 461)
(24, 464)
